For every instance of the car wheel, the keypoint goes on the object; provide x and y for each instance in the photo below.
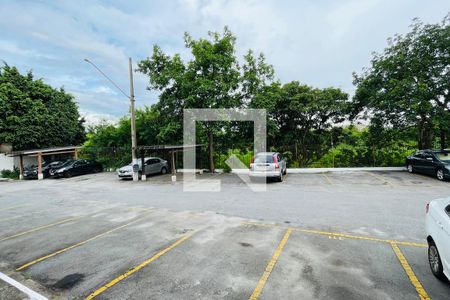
(163, 170)
(280, 178)
(440, 174)
(435, 261)
(410, 168)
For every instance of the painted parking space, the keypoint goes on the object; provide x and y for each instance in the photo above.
(317, 267)
(354, 178)
(90, 266)
(417, 259)
(202, 254)
(216, 263)
(30, 222)
(168, 255)
(308, 179)
(65, 236)
(333, 268)
(407, 179)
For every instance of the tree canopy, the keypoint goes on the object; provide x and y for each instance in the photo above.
(403, 95)
(213, 78)
(35, 115)
(299, 115)
(408, 84)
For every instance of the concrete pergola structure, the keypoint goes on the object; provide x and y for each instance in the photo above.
(172, 150)
(40, 153)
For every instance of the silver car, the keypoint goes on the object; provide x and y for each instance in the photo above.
(153, 165)
(268, 165)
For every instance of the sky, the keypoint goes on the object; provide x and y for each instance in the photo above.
(319, 43)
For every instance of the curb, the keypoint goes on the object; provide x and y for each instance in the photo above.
(330, 170)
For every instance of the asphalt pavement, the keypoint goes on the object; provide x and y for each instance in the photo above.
(351, 235)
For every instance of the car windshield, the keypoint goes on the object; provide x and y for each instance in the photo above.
(443, 156)
(264, 159)
(67, 163)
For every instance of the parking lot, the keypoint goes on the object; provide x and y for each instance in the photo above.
(354, 235)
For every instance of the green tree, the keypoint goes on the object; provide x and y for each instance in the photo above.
(299, 117)
(213, 78)
(408, 84)
(35, 115)
(111, 143)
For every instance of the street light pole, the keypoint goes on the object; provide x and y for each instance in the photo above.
(132, 112)
(133, 123)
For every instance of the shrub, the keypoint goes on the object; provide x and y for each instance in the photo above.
(244, 156)
(11, 174)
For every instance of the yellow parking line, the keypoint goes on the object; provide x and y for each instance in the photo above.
(12, 218)
(343, 235)
(76, 245)
(412, 277)
(25, 215)
(328, 179)
(356, 237)
(38, 228)
(137, 268)
(13, 207)
(262, 281)
(381, 178)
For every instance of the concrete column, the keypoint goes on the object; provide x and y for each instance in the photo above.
(39, 159)
(174, 171)
(20, 167)
(143, 176)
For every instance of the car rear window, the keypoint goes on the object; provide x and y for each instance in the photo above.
(443, 156)
(264, 159)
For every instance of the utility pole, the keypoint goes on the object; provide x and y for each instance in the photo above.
(332, 145)
(133, 124)
(133, 115)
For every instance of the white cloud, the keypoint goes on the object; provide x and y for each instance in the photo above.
(104, 90)
(349, 14)
(14, 48)
(317, 42)
(93, 118)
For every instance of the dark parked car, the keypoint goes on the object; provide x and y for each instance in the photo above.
(77, 167)
(431, 162)
(32, 172)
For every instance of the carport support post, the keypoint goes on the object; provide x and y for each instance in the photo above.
(198, 156)
(174, 175)
(143, 176)
(39, 160)
(20, 167)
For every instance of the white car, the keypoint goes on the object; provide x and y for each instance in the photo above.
(438, 236)
(153, 165)
(268, 165)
